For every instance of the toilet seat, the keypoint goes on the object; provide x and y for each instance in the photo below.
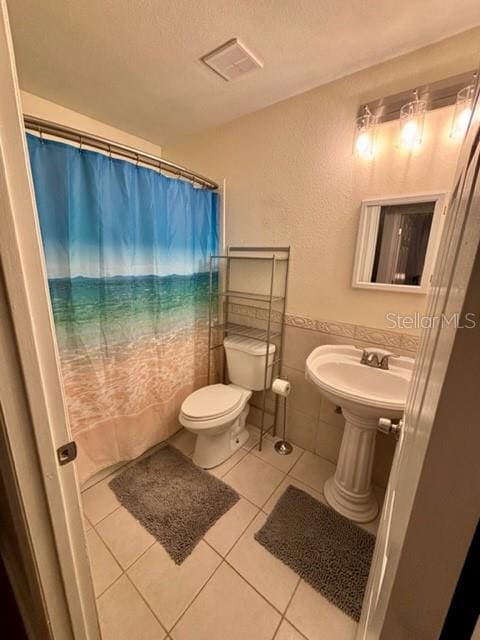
(212, 402)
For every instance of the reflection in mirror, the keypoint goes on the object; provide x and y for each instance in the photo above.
(397, 243)
(402, 240)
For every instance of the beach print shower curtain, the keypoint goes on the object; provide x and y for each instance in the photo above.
(127, 253)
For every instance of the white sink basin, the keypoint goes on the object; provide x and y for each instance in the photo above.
(364, 394)
(337, 372)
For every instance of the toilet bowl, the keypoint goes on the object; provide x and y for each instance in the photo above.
(217, 414)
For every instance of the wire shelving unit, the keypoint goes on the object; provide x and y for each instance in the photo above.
(256, 278)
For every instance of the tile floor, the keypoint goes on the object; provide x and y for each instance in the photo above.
(230, 586)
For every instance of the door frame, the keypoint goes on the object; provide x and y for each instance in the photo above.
(431, 504)
(34, 423)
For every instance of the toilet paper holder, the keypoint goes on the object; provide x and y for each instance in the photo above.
(283, 447)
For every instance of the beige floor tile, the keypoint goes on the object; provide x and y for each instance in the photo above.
(317, 618)
(268, 454)
(105, 569)
(99, 501)
(124, 615)
(254, 479)
(272, 501)
(313, 470)
(273, 579)
(184, 441)
(287, 632)
(227, 608)
(124, 536)
(225, 467)
(226, 531)
(169, 588)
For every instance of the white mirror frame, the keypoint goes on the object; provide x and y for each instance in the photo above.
(367, 240)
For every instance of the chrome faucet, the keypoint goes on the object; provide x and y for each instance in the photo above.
(376, 359)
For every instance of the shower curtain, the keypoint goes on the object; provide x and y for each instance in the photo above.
(127, 254)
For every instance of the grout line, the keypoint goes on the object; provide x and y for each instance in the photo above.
(222, 561)
(236, 539)
(108, 475)
(250, 453)
(259, 456)
(133, 561)
(286, 609)
(285, 475)
(90, 563)
(284, 617)
(105, 517)
(232, 467)
(146, 603)
(105, 590)
(254, 587)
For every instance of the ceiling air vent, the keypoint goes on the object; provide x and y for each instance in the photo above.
(232, 60)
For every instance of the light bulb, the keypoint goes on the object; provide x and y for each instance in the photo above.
(460, 124)
(409, 135)
(364, 145)
(463, 111)
(412, 116)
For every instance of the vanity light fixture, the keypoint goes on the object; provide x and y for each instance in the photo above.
(364, 145)
(457, 91)
(412, 117)
(463, 110)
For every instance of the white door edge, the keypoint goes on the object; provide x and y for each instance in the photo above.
(455, 263)
(57, 536)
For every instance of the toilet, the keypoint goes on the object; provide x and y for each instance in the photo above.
(217, 414)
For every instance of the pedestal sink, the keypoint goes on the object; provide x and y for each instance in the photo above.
(365, 394)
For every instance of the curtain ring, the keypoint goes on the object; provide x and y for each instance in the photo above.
(110, 152)
(81, 144)
(137, 160)
(40, 131)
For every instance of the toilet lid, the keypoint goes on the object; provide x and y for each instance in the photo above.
(213, 401)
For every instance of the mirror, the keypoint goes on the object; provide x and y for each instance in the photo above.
(397, 242)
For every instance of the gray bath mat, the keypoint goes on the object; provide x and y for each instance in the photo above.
(173, 499)
(328, 551)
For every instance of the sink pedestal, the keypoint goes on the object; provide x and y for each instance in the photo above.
(349, 491)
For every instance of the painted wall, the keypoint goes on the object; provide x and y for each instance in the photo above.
(292, 178)
(41, 108)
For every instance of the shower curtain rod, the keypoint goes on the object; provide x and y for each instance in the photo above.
(111, 147)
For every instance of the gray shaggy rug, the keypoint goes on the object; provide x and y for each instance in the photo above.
(328, 551)
(173, 499)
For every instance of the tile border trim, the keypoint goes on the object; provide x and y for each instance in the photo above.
(380, 337)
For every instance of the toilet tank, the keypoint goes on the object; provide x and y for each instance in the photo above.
(246, 359)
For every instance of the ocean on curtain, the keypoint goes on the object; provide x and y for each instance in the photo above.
(127, 254)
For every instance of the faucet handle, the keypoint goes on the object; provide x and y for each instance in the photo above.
(365, 353)
(385, 360)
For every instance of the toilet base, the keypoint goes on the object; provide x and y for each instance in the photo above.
(210, 451)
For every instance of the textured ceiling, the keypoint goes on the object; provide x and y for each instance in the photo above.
(135, 63)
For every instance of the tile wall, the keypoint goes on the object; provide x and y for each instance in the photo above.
(314, 423)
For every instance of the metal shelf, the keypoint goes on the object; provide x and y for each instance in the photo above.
(233, 329)
(245, 295)
(277, 258)
(267, 335)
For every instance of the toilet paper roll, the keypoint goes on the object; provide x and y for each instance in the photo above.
(281, 387)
